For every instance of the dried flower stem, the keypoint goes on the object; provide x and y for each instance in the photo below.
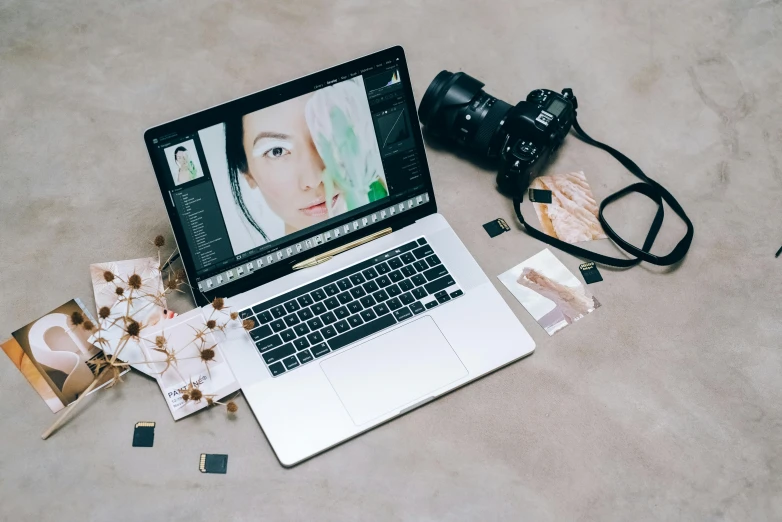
(161, 265)
(70, 409)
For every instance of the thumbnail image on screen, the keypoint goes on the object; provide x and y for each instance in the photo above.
(289, 166)
(183, 162)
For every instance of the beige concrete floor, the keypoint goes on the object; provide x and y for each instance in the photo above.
(664, 404)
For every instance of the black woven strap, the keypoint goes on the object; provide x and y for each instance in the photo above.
(648, 188)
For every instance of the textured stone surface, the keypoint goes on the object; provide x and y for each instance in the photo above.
(666, 403)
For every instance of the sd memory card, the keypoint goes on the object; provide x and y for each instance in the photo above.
(213, 463)
(540, 195)
(496, 227)
(590, 273)
(144, 435)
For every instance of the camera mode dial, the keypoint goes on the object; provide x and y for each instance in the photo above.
(538, 96)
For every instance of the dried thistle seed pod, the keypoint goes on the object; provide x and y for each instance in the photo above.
(135, 281)
(133, 328)
(159, 241)
(77, 318)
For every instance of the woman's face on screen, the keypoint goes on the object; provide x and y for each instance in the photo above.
(181, 158)
(284, 163)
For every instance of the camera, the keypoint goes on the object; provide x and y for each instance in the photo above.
(520, 138)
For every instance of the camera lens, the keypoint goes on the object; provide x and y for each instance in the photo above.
(455, 107)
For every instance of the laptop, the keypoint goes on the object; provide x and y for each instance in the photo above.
(310, 206)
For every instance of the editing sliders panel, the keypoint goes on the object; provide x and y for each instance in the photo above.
(252, 265)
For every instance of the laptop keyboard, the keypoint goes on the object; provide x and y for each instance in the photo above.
(305, 324)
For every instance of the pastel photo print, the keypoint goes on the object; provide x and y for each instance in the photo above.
(571, 214)
(549, 291)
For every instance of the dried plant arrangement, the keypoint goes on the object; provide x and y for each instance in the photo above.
(135, 293)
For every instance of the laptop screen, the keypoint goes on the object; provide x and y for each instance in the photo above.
(331, 154)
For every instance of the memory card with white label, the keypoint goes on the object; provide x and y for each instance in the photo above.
(590, 273)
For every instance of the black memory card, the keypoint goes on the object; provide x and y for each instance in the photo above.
(590, 273)
(144, 435)
(213, 463)
(496, 227)
(539, 195)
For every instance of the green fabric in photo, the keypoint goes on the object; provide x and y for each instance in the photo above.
(193, 172)
(376, 191)
(345, 170)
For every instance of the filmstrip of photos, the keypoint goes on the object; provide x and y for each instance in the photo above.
(330, 235)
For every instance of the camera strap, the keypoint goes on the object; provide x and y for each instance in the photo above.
(648, 188)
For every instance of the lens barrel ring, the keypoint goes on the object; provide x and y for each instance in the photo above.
(491, 123)
(433, 96)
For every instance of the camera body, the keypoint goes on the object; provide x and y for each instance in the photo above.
(534, 129)
(519, 138)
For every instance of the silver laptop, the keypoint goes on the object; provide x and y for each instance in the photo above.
(310, 205)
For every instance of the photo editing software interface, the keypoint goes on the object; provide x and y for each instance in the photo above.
(259, 188)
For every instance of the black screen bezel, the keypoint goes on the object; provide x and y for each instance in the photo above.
(265, 98)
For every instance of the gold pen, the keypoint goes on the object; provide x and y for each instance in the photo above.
(325, 256)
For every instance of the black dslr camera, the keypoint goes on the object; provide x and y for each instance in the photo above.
(522, 138)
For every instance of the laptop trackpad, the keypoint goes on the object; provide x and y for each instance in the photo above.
(393, 370)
